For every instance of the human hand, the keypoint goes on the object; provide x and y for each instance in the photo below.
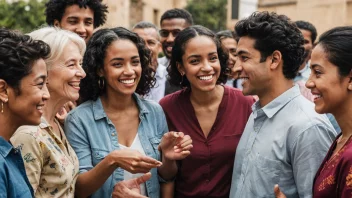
(134, 162)
(175, 145)
(130, 188)
(278, 193)
(61, 115)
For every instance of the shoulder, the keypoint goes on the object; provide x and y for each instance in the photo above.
(151, 105)
(26, 134)
(83, 111)
(170, 99)
(237, 94)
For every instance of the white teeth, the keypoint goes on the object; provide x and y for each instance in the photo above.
(74, 84)
(127, 81)
(206, 77)
(244, 78)
(39, 107)
(317, 96)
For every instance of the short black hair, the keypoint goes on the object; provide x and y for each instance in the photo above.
(18, 53)
(144, 25)
(305, 25)
(337, 44)
(178, 51)
(177, 13)
(55, 9)
(93, 61)
(274, 32)
(227, 34)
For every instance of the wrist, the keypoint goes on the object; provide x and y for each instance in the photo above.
(113, 159)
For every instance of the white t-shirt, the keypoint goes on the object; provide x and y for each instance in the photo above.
(136, 145)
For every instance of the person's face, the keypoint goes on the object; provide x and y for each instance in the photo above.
(308, 44)
(151, 39)
(254, 73)
(66, 74)
(168, 32)
(201, 64)
(27, 107)
(330, 90)
(230, 45)
(78, 20)
(122, 68)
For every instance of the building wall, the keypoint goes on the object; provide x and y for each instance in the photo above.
(127, 13)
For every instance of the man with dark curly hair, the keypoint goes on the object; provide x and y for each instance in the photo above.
(79, 16)
(285, 140)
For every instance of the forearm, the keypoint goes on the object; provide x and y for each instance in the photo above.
(168, 170)
(167, 190)
(90, 181)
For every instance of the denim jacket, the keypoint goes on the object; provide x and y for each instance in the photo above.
(93, 136)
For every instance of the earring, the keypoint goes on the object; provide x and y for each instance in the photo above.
(101, 83)
(181, 79)
(2, 107)
(350, 86)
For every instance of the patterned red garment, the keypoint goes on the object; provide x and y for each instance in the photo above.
(334, 177)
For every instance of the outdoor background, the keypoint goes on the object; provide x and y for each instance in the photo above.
(27, 15)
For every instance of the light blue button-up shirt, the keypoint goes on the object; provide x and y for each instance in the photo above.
(93, 136)
(283, 143)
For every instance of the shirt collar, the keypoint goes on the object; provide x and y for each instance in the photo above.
(278, 103)
(5, 147)
(305, 69)
(99, 113)
(160, 71)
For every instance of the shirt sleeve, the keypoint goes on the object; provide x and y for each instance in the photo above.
(3, 180)
(78, 139)
(32, 154)
(307, 153)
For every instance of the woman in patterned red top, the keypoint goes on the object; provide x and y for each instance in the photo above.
(212, 114)
(331, 84)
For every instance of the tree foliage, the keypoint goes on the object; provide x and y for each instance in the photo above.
(21, 15)
(208, 13)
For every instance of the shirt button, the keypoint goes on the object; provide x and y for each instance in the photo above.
(113, 134)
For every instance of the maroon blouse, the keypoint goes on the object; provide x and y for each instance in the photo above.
(207, 171)
(334, 177)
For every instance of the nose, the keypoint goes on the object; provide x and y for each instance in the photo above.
(206, 66)
(80, 28)
(232, 59)
(46, 94)
(310, 84)
(236, 70)
(170, 38)
(80, 72)
(128, 70)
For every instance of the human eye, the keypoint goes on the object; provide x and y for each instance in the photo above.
(194, 61)
(72, 21)
(117, 64)
(89, 23)
(317, 73)
(214, 58)
(243, 58)
(136, 62)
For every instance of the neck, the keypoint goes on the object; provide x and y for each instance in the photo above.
(204, 98)
(117, 102)
(52, 107)
(8, 125)
(343, 117)
(277, 87)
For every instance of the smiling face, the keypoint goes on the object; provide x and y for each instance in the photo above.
(66, 74)
(27, 106)
(329, 88)
(230, 45)
(254, 73)
(168, 32)
(201, 64)
(122, 68)
(78, 20)
(151, 39)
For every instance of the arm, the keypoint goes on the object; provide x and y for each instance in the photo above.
(307, 153)
(167, 190)
(130, 188)
(31, 152)
(92, 178)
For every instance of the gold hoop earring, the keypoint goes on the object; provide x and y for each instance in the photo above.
(101, 83)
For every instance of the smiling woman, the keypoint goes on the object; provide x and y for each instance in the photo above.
(23, 93)
(51, 164)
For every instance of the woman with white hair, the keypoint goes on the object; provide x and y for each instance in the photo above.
(51, 164)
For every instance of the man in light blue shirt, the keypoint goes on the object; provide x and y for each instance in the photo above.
(285, 140)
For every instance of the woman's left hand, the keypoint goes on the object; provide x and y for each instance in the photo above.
(175, 145)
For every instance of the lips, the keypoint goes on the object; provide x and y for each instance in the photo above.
(75, 84)
(127, 81)
(40, 108)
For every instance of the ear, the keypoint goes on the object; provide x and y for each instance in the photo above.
(3, 91)
(57, 23)
(180, 68)
(350, 81)
(276, 59)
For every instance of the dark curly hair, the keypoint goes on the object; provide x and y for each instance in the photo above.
(305, 25)
(337, 44)
(177, 13)
(55, 9)
(93, 61)
(275, 32)
(17, 54)
(178, 51)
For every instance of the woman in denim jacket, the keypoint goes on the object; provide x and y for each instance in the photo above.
(115, 132)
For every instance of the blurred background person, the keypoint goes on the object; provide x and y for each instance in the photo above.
(150, 34)
(23, 96)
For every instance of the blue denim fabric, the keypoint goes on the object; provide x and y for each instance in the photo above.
(13, 179)
(93, 136)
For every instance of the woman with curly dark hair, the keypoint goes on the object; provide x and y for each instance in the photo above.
(203, 110)
(115, 132)
(23, 95)
(79, 16)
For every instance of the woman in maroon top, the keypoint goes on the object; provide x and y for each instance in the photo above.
(212, 114)
(331, 84)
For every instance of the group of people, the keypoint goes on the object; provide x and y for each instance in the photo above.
(244, 113)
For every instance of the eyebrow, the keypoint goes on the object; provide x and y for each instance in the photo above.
(242, 52)
(40, 77)
(71, 59)
(315, 65)
(75, 17)
(197, 55)
(121, 59)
